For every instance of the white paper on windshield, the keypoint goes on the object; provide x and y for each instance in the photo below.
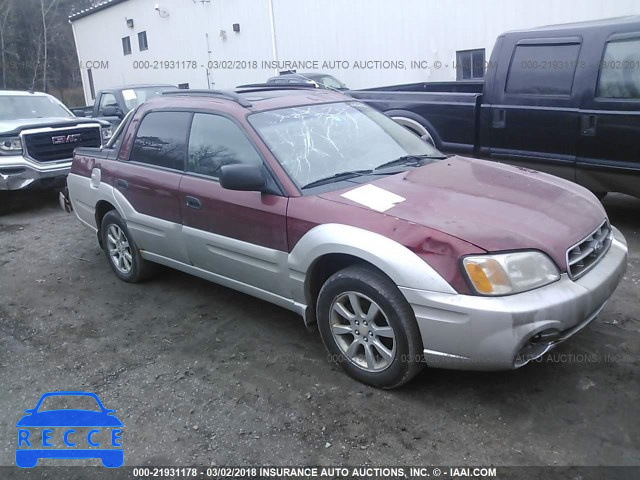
(373, 197)
(129, 95)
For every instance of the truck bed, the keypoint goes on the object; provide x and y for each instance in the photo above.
(448, 111)
(464, 86)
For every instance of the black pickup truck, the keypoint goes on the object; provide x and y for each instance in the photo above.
(563, 99)
(112, 104)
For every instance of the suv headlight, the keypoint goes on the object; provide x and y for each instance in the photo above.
(10, 145)
(508, 273)
(106, 134)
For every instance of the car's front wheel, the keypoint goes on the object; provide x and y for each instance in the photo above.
(122, 252)
(369, 328)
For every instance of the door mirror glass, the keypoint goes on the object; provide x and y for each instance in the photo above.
(243, 177)
(112, 111)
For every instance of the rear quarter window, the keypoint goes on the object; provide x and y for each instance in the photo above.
(620, 70)
(546, 69)
(161, 140)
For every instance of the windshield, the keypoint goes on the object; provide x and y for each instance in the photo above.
(136, 96)
(13, 107)
(317, 141)
(64, 402)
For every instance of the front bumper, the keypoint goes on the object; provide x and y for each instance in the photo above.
(18, 173)
(498, 333)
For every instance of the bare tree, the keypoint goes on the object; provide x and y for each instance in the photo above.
(38, 51)
(44, 10)
(5, 8)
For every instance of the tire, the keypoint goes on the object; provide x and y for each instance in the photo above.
(122, 253)
(354, 338)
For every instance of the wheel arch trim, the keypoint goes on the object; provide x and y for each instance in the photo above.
(85, 199)
(414, 121)
(405, 268)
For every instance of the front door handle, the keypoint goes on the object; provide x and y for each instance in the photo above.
(122, 184)
(499, 119)
(588, 125)
(193, 202)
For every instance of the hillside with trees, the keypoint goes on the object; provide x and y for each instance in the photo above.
(37, 50)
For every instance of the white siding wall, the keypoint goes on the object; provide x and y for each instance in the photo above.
(182, 36)
(417, 30)
(320, 30)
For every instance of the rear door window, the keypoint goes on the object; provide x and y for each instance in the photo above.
(216, 141)
(161, 140)
(620, 70)
(543, 69)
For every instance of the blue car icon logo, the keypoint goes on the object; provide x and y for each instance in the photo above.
(61, 428)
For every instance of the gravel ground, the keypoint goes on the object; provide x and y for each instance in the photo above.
(202, 375)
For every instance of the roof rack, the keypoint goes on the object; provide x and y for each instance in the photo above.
(227, 94)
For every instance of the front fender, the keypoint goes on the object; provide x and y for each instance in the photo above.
(403, 266)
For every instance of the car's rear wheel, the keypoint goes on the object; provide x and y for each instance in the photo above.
(122, 252)
(369, 328)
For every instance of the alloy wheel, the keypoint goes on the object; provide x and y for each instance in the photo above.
(119, 249)
(362, 331)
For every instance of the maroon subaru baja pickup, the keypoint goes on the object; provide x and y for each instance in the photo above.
(316, 202)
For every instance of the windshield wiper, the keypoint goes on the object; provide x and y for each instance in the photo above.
(409, 159)
(336, 177)
(414, 160)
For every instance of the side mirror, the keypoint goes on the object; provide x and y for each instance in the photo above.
(79, 113)
(246, 178)
(112, 111)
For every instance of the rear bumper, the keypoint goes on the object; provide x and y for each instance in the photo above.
(19, 173)
(482, 333)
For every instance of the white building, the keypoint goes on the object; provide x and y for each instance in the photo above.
(365, 43)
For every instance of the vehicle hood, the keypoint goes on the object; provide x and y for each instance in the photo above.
(69, 418)
(9, 127)
(493, 206)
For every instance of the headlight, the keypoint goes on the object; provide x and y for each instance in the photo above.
(10, 145)
(106, 134)
(508, 273)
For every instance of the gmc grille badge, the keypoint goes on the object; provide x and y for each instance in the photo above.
(66, 138)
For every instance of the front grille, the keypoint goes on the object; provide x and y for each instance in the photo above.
(41, 146)
(583, 257)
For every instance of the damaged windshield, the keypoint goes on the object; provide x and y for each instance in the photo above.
(316, 142)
